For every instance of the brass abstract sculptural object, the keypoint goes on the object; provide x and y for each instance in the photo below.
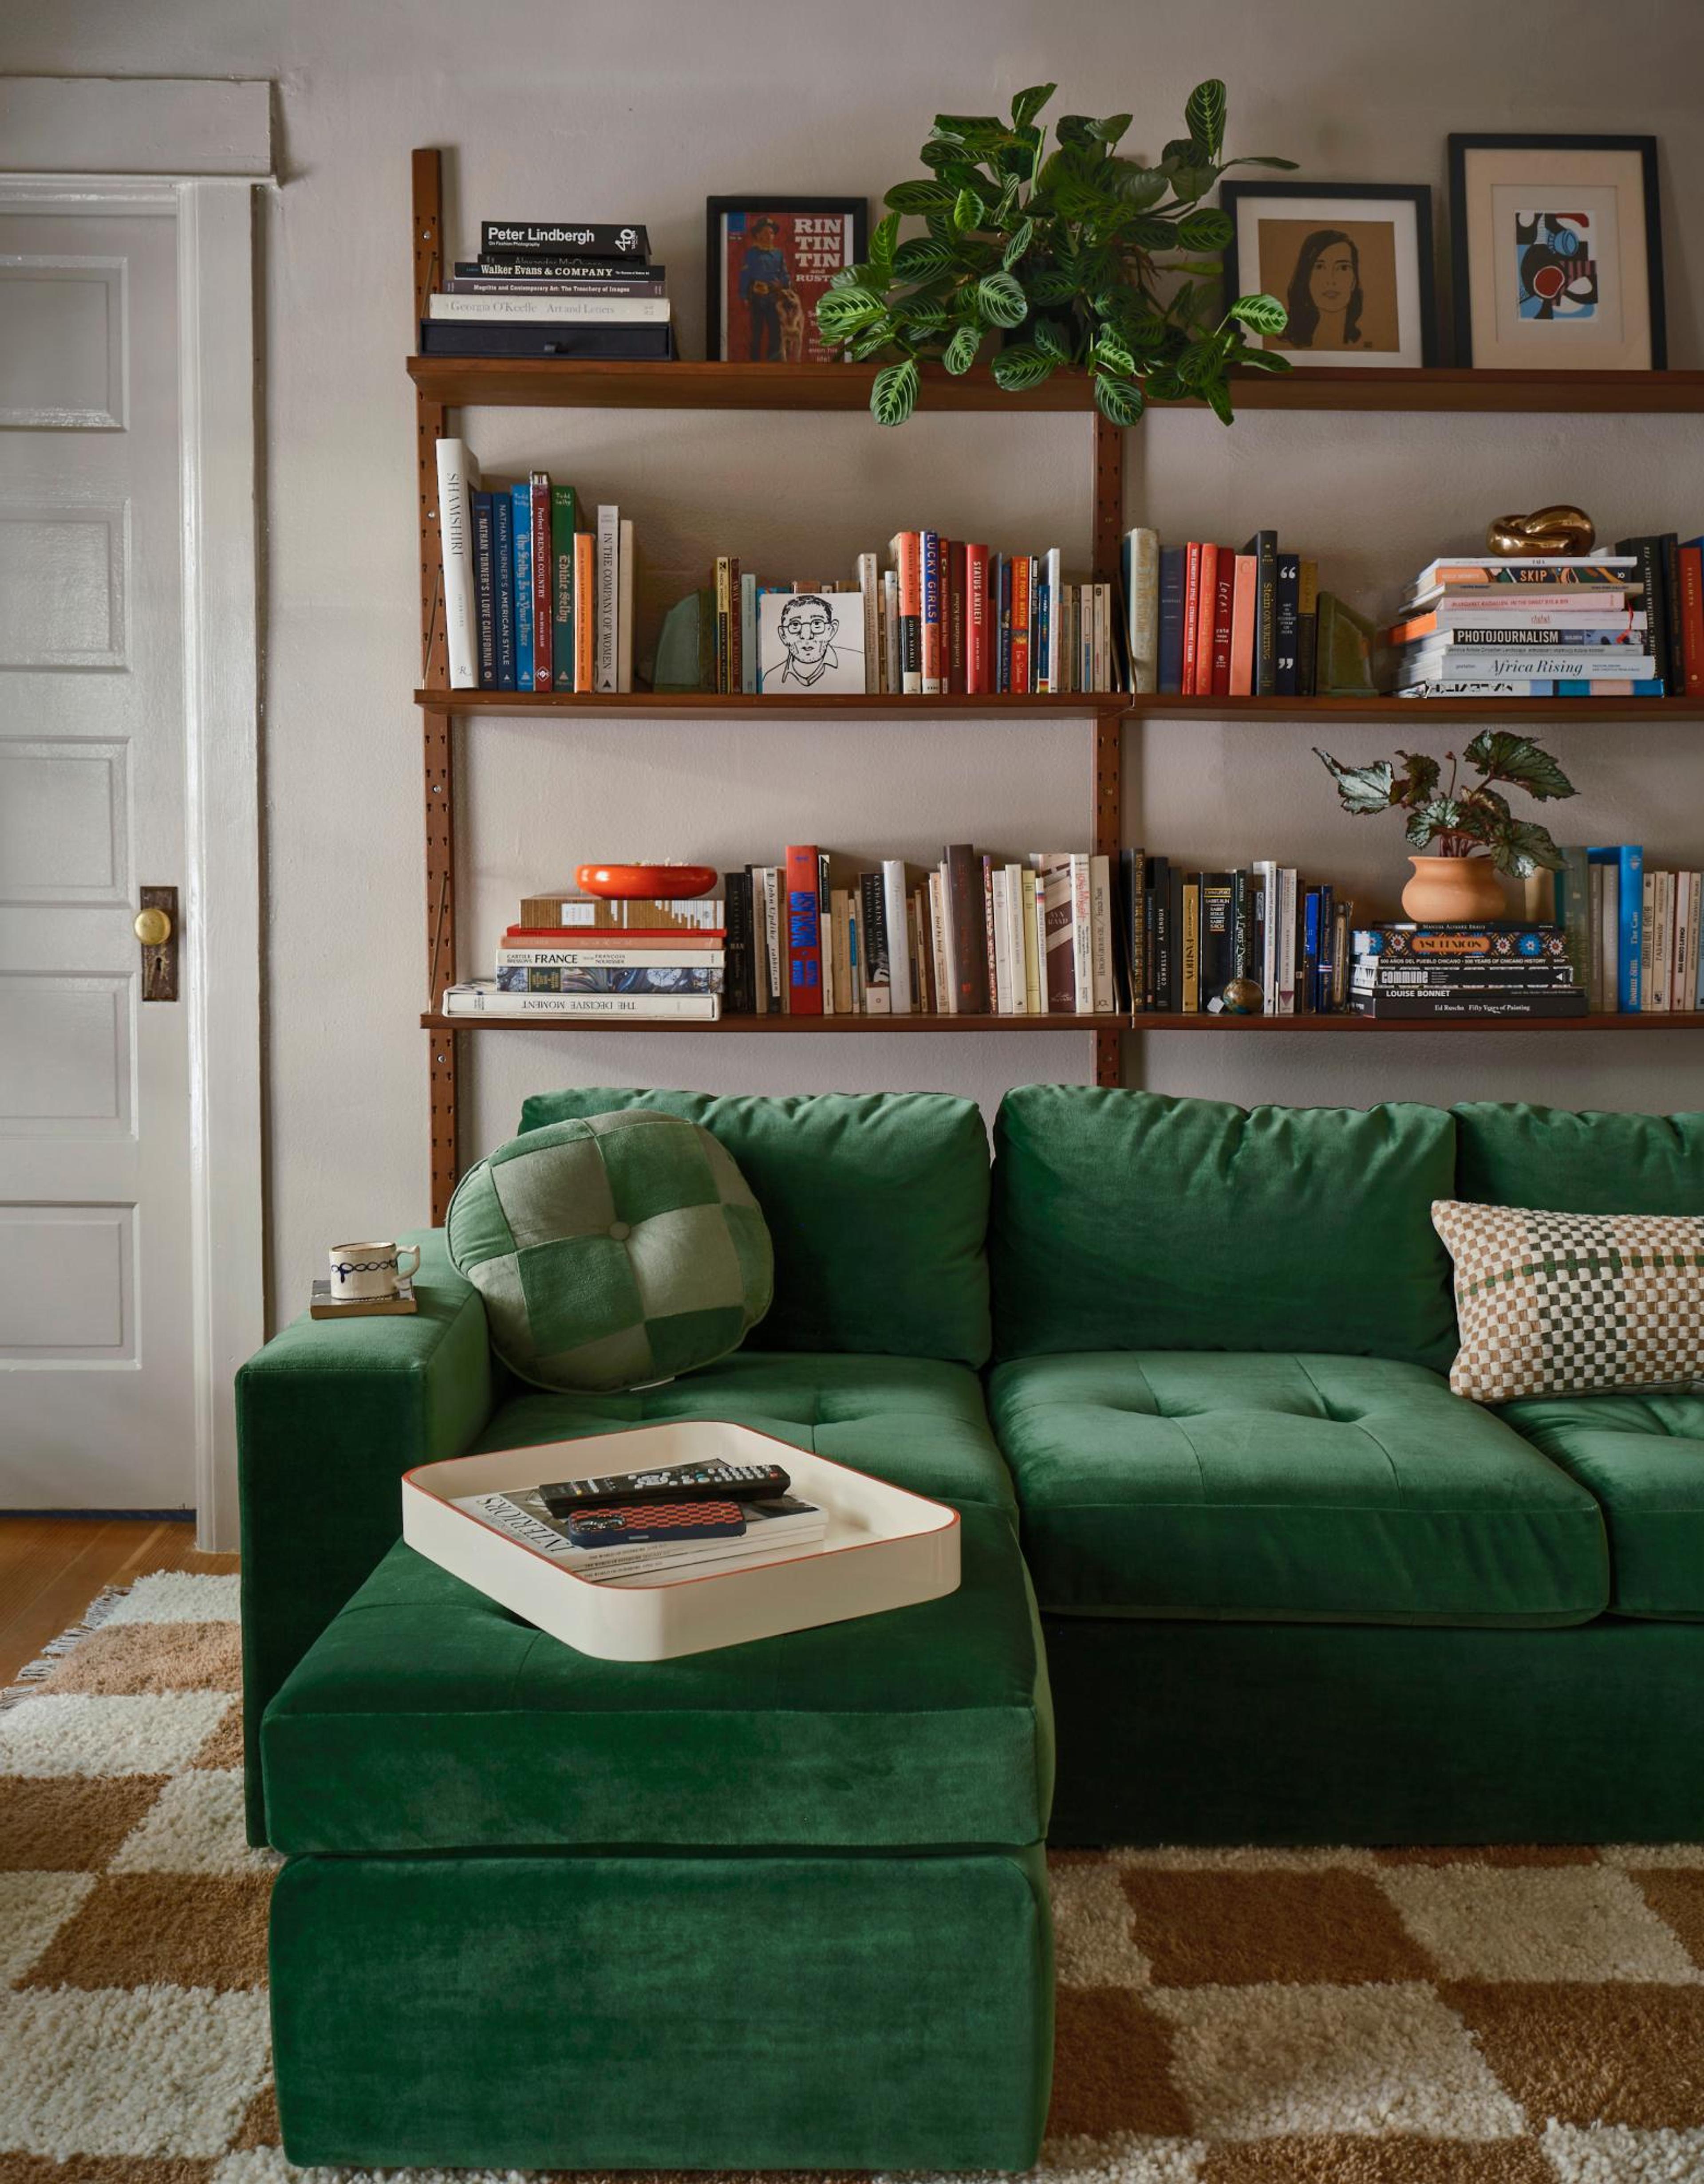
(1561, 529)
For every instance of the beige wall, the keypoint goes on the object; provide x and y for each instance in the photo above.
(640, 110)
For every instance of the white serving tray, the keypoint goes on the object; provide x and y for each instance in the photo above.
(883, 1548)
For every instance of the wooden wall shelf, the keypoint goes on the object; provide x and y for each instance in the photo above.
(1276, 1026)
(571, 383)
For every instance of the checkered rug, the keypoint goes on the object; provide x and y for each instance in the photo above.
(1226, 2017)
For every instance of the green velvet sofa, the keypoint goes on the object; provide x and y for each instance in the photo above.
(1181, 1368)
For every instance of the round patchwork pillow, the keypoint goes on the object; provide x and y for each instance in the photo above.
(612, 1251)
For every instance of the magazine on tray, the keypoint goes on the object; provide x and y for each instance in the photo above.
(775, 1529)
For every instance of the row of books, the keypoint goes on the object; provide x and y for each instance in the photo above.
(569, 954)
(534, 597)
(1540, 626)
(1439, 973)
(583, 288)
(1211, 621)
(1633, 932)
(1256, 940)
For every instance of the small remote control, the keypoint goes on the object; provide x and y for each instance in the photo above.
(678, 1482)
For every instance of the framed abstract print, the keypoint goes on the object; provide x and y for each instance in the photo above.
(1350, 262)
(1558, 253)
(768, 261)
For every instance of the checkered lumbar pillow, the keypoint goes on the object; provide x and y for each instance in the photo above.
(1574, 1304)
(612, 1251)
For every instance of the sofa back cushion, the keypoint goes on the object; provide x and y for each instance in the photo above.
(877, 1205)
(1131, 1221)
(1552, 1158)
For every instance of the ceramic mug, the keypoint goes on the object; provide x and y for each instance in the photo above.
(370, 1270)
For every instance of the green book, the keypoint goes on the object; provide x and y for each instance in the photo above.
(564, 511)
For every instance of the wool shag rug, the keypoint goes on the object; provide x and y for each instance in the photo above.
(1225, 2017)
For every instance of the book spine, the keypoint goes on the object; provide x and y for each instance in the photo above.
(1142, 607)
(1192, 618)
(564, 517)
(1308, 982)
(733, 632)
(907, 558)
(1102, 997)
(462, 1001)
(1419, 1008)
(1172, 579)
(977, 648)
(485, 591)
(1157, 913)
(1023, 570)
(1133, 874)
(1648, 566)
(1307, 627)
(608, 978)
(521, 516)
(1051, 632)
(965, 924)
(595, 955)
(457, 480)
(724, 608)
(893, 894)
(556, 305)
(985, 872)
(1264, 544)
(739, 981)
(580, 238)
(585, 612)
(544, 617)
(543, 266)
(803, 935)
(1245, 587)
(1002, 622)
(1286, 611)
(957, 658)
(609, 555)
(1082, 937)
(503, 585)
(932, 677)
(624, 619)
(467, 279)
(1286, 940)
(1224, 607)
(1689, 563)
(1206, 611)
(869, 601)
(875, 944)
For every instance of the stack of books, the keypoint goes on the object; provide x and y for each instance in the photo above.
(976, 936)
(1214, 622)
(1443, 973)
(1248, 941)
(775, 1531)
(1633, 932)
(536, 596)
(583, 288)
(574, 956)
(1537, 626)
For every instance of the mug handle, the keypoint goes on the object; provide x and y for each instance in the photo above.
(407, 1274)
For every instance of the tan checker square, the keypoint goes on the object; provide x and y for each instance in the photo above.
(1494, 1854)
(1610, 2154)
(1333, 2159)
(33, 1907)
(37, 2169)
(224, 1746)
(69, 1824)
(1112, 2068)
(1092, 1923)
(1593, 2054)
(1678, 1899)
(179, 1929)
(1562, 1923)
(1236, 1929)
(152, 1656)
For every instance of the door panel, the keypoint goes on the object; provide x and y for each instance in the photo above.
(96, 1408)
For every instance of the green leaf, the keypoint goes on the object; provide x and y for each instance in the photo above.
(893, 393)
(1207, 228)
(1017, 244)
(1076, 129)
(1049, 284)
(1049, 334)
(966, 125)
(1111, 129)
(1197, 364)
(842, 311)
(920, 197)
(1438, 814)
(1419, 777)
(1203, 116)
(884, 243)
(1521, 848)
(1151, 232)
(967, 210)
(1264, 360)
(1135, 185)
(1217, 396)
(1119, 400)
(1361, 787)
(941, 151)
(916, 260)
(1023, 365)
(1260, 159)
(921, 324)
(1111, 355)
(1029, 103)
(872, 341)
(1003, 301)
(960, 352)
(1500, 755)
(1264, 314)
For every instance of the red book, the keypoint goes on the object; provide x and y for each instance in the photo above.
(803, 933)
(933, 564)
(619, 936)
(1223, 588)
(908, 560)
(1020, 624)
(1206, 604)
(953, 616)
(1689, 568)
(1242, 682)
(543, 610)
(979, 623)
(1192, 616)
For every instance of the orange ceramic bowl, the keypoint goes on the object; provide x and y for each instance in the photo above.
(657, 882)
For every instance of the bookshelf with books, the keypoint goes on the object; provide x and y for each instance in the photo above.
(444, 384)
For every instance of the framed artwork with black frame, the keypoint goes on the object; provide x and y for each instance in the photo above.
(1557, 249)
(766, 262)
(1351, 263)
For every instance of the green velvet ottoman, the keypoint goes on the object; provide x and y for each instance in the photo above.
(782, 1906)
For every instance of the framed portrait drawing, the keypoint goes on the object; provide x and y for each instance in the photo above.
(1558, 253)
(768, 261)
(809, 641)
(1351, 263)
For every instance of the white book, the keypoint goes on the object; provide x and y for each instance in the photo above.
(869, 599)
(563, 310)
(458, 481)
(1490, 663)
(1680, 986)
(1032, 944)
(772, 939)
(1688, 996)
(1509, 604)
(825, 949)
(893, 893)
(1266, 873)
(1142, 607)
(892, 678)
(1100, 925)
(1286, 940)
(624, 619)
(1647, 942)
(999, 904)
(1104, 636)
(604, 635)
(538, 956)
(1083, 935)
(480, 997)
(1014, 937)
(1052, 578)
(1038, 866)
(946, 992)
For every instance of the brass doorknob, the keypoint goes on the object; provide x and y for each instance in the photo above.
(153, 928)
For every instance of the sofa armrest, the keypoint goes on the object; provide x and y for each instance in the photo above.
(329, 1417)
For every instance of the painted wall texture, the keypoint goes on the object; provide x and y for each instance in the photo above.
(552, 107)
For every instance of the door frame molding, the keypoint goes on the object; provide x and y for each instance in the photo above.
(214, 218)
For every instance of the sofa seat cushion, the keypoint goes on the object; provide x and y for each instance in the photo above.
(427, 1717)
(1642, 1458)
(1318, 1489)
(912, 1421)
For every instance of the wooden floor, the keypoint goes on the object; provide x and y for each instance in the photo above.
(51, 1567)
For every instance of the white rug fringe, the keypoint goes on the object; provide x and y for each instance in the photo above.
(36, 1671)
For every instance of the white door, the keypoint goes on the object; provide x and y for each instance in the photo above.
(96, 1355)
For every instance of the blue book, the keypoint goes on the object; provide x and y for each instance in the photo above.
(521, 496)
(1629, 862)
(1041, 614)
(484, 593)
(1171, 676)
(503, 587)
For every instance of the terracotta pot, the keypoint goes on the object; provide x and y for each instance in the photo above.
(1454, 891)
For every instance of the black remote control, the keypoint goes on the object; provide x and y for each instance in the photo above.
(678, 1482)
